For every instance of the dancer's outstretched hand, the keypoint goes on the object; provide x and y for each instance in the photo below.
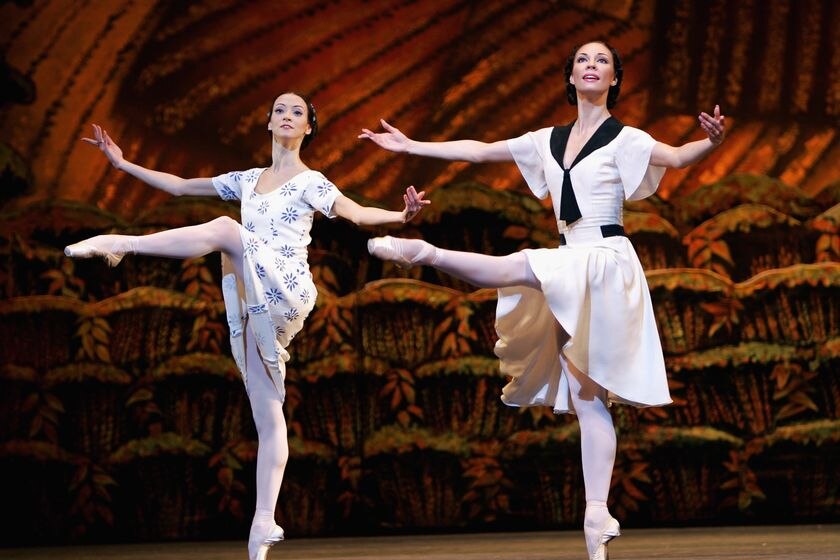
(414, 202)
(104, 142)
(714, 126)
(392, 139)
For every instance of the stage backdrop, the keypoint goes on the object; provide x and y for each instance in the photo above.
(121, 414)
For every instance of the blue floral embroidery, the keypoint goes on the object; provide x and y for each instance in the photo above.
(226, 193)
(291, 281)
(261, 308)
(287, 251)
(288, 189)
(260, 270)
(274, 296)
(263, 207)
(279, 331)
(304, 297)
(250, 227)
(253, 195)
(289, 215)
(279, 263)
(251, 246)
(291, 314)
(324, 189)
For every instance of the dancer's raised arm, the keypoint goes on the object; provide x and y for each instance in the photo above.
(172, 184)
(371, 216)
(458, 150)
(682, 156)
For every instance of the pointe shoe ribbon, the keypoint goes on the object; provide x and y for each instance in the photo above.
(609, 531)
(274, 536)
(85, 250)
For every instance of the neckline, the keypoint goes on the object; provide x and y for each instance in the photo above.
(278, 187)
(603, 135)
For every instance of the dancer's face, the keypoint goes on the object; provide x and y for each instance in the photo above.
(289, 118)
(593, 71)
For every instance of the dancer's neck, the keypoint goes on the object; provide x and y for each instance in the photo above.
(590, 116)
(285, 157)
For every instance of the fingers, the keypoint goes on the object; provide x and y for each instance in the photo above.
(387, 126)
(712, 125)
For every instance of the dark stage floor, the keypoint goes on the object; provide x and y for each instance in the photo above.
(811, 542)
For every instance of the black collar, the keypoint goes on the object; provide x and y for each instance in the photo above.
(605, 134)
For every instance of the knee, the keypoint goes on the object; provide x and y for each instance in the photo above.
(225, 225)
(519, 271)
(223, 233)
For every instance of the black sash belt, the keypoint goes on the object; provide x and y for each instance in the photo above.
(611, 230)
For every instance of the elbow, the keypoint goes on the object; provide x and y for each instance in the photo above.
(354, 217)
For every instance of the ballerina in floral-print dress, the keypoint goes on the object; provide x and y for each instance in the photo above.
(267, 286)
(278, 288)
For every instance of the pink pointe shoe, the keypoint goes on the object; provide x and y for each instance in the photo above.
(90, 248)
(608, 532)
(405, 253)
(258, 547)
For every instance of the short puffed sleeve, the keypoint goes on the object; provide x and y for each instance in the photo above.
(528, 152)
(320, 193)
(632, 158)
(229, 185)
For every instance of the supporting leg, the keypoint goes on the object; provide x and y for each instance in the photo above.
(598, 446)
(272, 452)
(484, 271)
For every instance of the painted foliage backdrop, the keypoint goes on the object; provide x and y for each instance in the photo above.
(121, 413)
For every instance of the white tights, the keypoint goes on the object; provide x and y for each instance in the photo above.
(222, 234)
(597, 433)
(273, 449)
(597, 448)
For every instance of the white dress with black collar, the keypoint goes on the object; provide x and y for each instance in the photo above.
(593, 308)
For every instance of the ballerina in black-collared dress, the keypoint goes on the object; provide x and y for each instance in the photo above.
(575, 323)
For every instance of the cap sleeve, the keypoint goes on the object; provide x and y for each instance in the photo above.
(528, 152)
(632, 157)
(320, 193)
(228, 185)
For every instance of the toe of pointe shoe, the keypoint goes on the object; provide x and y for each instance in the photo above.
(78, 250)
(274, 536)
(83, 250)
(610, 531)
(383, 248)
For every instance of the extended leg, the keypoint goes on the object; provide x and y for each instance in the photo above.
(597, 445)
(272, 450)
(221, 234)
(481, 270)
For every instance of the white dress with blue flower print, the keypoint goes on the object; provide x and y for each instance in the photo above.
(278, 289)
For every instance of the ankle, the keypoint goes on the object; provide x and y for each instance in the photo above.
(263, 517)
(596, 513)
(422, 252)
